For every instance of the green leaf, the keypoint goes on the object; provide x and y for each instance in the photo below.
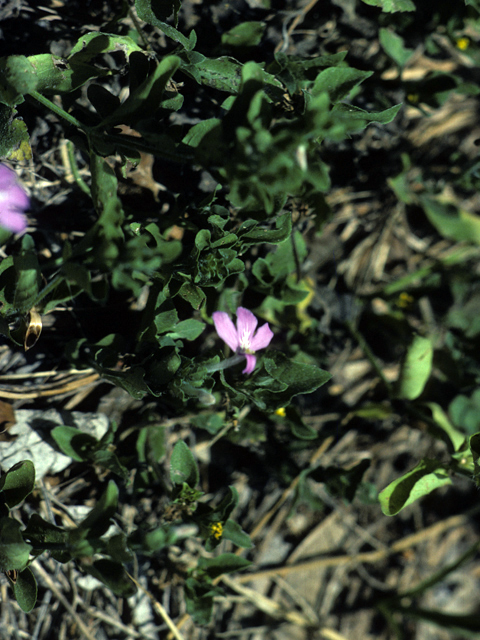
(183, 467)
(465, 412)
(246, 34)
(452, 221)
(106, 237)
(250, 232)
(99, 519)
(212, 422)
(233, 531)
(416, 369)
(298, 72)
(338, 82)
(188, 329)
(353, 114)
(113, 575)
(192, 294)
(92, 44)
(148, 542)
(17, 78)
(117, 548)
(224, 563)
(473, 3)
(199, 131)
(25, 590)
(41, 534)
(223, 73)
(165, 320)
(301, 430)
(83, 447)
(14, 551)
(53, 74)
(17, 483)
(154, 12)
(391, 6)
(14, 138)
(291, 416)
(74, 443)
(401, 184)
(151, 444)
(199, 599)
(104, 457)
(394, 46)
(475, 449)
(28, 276)
(226, 505)
(441, 420)
(44, 73)
(292, 379)
(144, 100)
(162, 9)
(427, 476)
(280, 263)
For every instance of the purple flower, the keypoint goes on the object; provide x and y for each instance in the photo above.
(13, 201)
(243, 339)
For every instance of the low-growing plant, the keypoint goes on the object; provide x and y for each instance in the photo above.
(197, 257)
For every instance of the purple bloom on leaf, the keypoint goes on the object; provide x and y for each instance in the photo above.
(243, 339)
(13, 201)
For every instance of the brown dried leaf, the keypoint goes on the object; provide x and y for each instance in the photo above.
(7, 416)
(33, 329)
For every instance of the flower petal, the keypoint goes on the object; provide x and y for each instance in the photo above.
(262, 338)
(13, 221)
(251, 362)
(13, 201)
(17, 198)
(8, 177)
(225, 329)
(246, 325)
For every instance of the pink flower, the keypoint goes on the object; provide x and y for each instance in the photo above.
(243, 339)
(13, 201)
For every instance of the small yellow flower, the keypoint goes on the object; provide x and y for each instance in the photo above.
(463, 43)
(281, 412)
(405, 300)
(413, 98)
(216, 530)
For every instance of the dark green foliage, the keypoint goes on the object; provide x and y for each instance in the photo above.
(267, 139)
(17, 483)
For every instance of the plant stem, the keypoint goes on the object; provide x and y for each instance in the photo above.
(122, 141)
(225, 364)
(74, 169)
(205, 397)
(368, 352)
(58, 110)
(140, 144)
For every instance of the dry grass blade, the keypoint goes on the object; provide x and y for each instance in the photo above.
(88, 634)
(174, 631)
(269, 606)
(54, 388)
(367, 557)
